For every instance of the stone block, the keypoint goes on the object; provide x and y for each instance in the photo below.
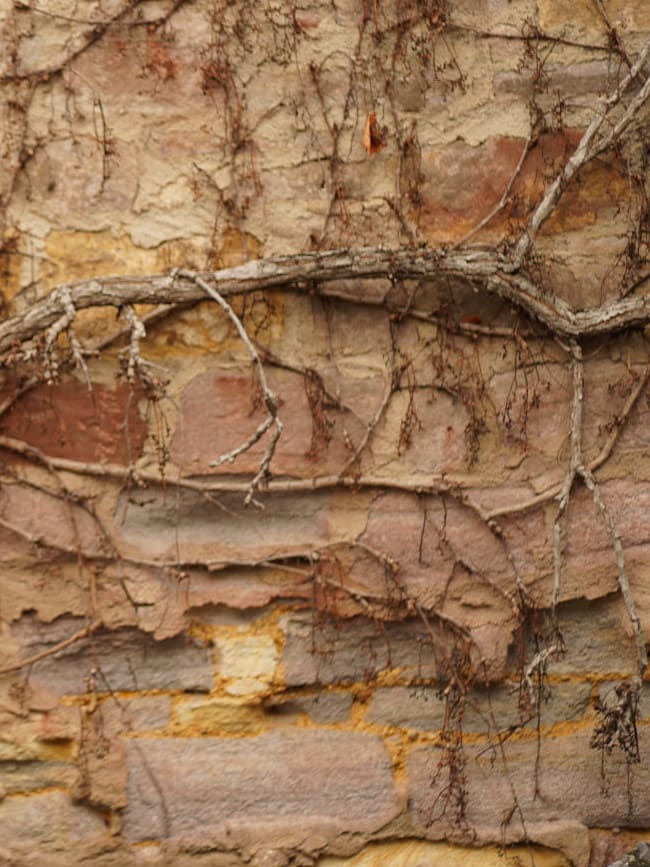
(464, 183)
(570, 779)
(419, 708)
(486, 711)
(47, 822)
(50, 521)
(280, 785)
(319, 650)
(218, 716)
(597, 638)
(220, 409)
(124, 660)
(329, 652)
(22, 777)
(154, 525)
(246, 662)
(426, 537)
(494, 710)
(65, 420)
(323, 707)
(129, 715)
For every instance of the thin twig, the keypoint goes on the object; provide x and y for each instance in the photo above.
(505, 196)
(575, 461)
(621, 572)
(586, 150)
(372, 424)
(270, 401)
(619, 422)
(56, 648)
(614, 36)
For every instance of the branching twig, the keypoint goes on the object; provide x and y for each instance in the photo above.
(138, 333)
(576, 468)
(372, 424)
(270, 401)
(619, 422)
(595, 464)
(63, 323)
(615, 40)
(587, 149)
(504, 198)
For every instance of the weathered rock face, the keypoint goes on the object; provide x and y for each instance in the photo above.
(362, 666)
(222, 790)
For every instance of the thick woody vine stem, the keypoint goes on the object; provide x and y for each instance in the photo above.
(313, 272)
(622, 577)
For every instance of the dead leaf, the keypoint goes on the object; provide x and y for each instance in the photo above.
(374, 136)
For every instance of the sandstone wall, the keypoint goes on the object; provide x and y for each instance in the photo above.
(367, 667)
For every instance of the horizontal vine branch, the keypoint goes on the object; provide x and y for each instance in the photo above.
(311, 273)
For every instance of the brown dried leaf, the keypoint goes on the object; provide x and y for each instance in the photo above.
(374, 136)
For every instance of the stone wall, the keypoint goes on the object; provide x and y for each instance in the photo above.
(374, 661)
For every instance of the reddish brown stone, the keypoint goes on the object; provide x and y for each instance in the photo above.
(245, 589)
(50, 521)
(68, 421)
(569, 780)
(463, 184)
(444, 559)
(287, 784)
(220, 410)
(308, 20)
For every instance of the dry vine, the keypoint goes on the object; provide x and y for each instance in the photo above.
(43, 334)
